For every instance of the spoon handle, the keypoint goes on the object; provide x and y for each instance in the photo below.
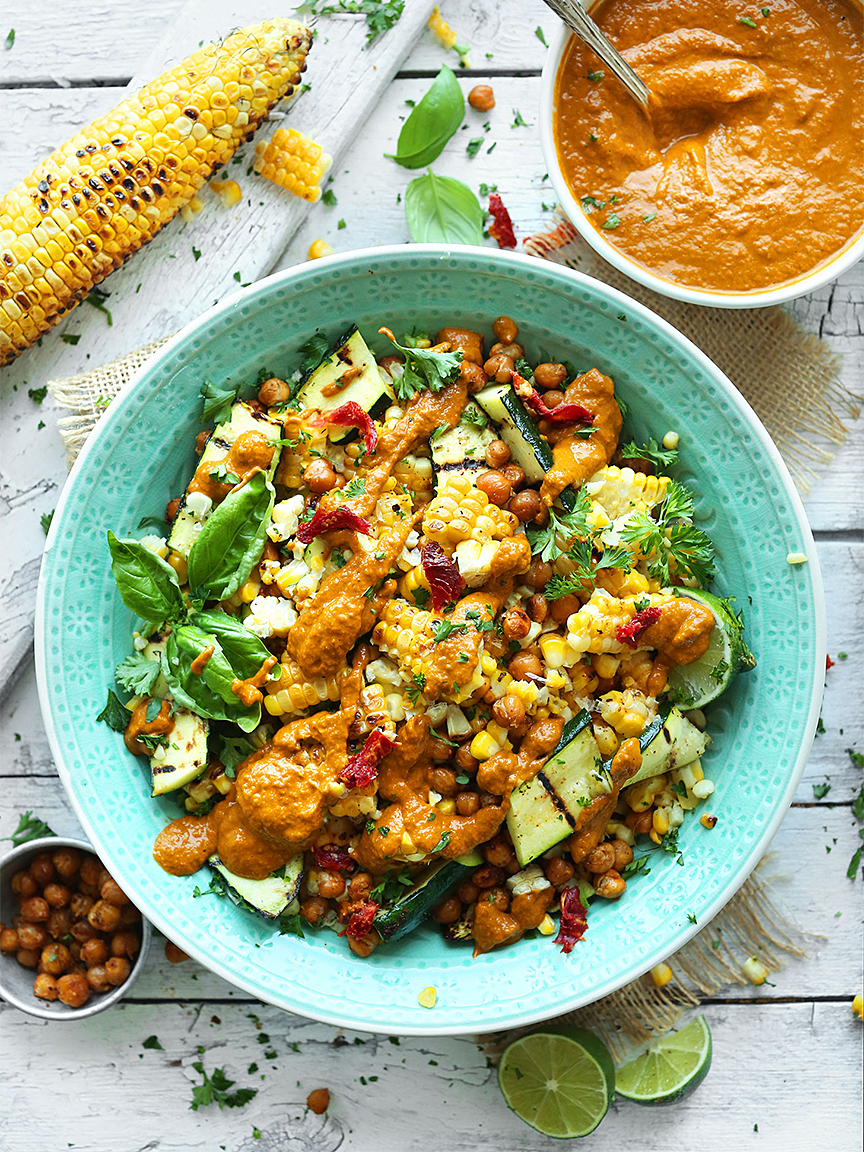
(576, 18)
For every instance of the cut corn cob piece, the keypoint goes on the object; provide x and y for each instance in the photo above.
(372, 712)
(101, 196)
(593, 628)
(293, 693)
(621, 490)
(459, 511)
(408, 636)
(294, 162)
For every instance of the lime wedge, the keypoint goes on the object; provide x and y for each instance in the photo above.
(694, 685)
(560, 1080)
(671, 1068)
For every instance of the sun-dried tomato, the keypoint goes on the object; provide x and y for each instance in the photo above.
(502, 226)
(629, 633)
(563, 414)
(574, 921)
(445, 581)
(333, 858)
(829, 663)
(362, 919)
(351, 415)
(339, 518)
(362, 768)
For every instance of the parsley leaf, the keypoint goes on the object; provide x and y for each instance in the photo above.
(30, 827)
(328, 197)
(137, 674)
(445, 628)
(380, 14)
(214, 1090)
(415, 690)
(421, 597)
(45, 520)
(661, 457)
(425, 368)
(821, 790)
(153, 1042)
(636, 866)
(474, 415)
(217, 401)
(114, 714)
(672, 544)
(314, 352)
(669, 843)
(355, 487)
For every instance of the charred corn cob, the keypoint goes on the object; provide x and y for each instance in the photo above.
(460, 512)
(109, 189)
(372, 712)
(593, 627)
(293, 693)
(294, 162)
(621, 490)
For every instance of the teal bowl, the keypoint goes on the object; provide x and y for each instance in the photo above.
(141, 455)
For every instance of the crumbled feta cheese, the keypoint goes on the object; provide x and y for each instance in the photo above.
(198, 504)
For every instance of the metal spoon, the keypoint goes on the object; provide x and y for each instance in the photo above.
(576, 18)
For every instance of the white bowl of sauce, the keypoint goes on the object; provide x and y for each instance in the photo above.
(747, 187)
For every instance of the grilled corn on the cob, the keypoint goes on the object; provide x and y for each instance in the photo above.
(101, 196)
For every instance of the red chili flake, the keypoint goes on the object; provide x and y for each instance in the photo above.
(574, 921)
(362, 917)
(445, 581)
(502, 226)
(322, 522)
(352, 415)
(829, 663)
(563, 414)
(362, 768)
(333, 859)
(629, 633)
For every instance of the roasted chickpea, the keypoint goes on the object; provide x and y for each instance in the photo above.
(318, 1101)
(117, 969)
(559, 871)
(498, 852)
(387, 362)
(505, 329)
(448, 912)
(550, 375)
(601, 859)
(29, 957)
(468, 893)
(516, 624)
(80, 905)
(94, 951)
(111, 891)
(524, 666)
(66, 862)
(496, 486)
(474, 376)
(640, 822)
(331, 884)
(359, 886)
(9, 941)
(24, 885)
(173, 954)
(488, 876)
(129, 914)
(274, 391)
(90, 869)
(443, 780)
(514, 351)
(489, 800)
(75, 951)
(319, 476)
(365, 946)
(104, 917)
(610, 885)
(537, 607)
(59, 922)
(56, 959)
(45, 987)
(97, 978)
(500, 897)
(497, 454)
(201, 443)
(500, 368)
(441, 751)
(465, 761)
(73, 989)
(313, 909)
(125, 944)
(83, 930)
(173, 506)
(35, 909)
(539, 574)
(467, 803)
(514, 474)
(527, 505)
(32, 935)
(564, 607)
(481, 98)
(553, 398)
(623, 854)
(42, 868)
(57, 895)
(509, 711)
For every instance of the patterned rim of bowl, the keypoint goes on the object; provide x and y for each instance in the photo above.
(508, 988)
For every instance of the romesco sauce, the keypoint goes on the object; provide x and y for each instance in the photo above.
(749, 171)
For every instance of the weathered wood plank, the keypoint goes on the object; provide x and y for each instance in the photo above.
(810, 854)
(407, 1096)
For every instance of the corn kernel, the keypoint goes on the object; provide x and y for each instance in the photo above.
(702, 789)
(228, 191)
(407, 846)
(547, 926)
(605, 665)
(796, 558)
(708, 821)
(483, 746)
(661, 974)
(858, 1007)
(447, 807)
(250, 590)
(755, 971)
(428, 998)
(607, 739)
(660, 820)
(671, 440)
(317, 249)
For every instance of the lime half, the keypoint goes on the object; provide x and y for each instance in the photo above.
(560, 1080)
(694, 685)
(671, 1068)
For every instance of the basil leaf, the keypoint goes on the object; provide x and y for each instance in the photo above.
(145, 582)
(218, 399)
(244, 651)
(208, 694)
(431, 123)
(115, 714)
(441, 209)
(231, 541)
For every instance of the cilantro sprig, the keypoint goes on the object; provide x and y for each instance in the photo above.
(570, 533)
(215, 1090)
(423, 368)
(658, 455)
(30, 827)
(137, 674)
(671, 543)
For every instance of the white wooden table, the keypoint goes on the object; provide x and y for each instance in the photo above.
(787, 1059)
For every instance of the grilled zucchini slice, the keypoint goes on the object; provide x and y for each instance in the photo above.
(461, 450)
(183, 756)
(405, 914)
(276, 895)
(350, 361)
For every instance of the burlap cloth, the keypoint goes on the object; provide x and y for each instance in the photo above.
(790, 377)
